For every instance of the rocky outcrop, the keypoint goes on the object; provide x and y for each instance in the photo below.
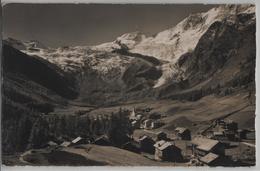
(223, 58)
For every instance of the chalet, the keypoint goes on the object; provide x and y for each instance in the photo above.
(161, 136)
(167, 151)
(218, 135)
(147, 124)
(146, 144)
(102, 140)
(183, 133)
(211, 159)
(65, 144)
(79, 140)
(203, 146)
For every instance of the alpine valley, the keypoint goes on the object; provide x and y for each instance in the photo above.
(194, 73)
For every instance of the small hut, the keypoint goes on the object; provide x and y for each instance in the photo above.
(219, 135)
(65, 144)
(79, 140)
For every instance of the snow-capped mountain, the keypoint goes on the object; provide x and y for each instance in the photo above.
(167, 46)
(170, 44)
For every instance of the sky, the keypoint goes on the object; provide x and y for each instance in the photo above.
(57, 25)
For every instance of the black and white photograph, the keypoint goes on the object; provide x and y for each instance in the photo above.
(128, 84)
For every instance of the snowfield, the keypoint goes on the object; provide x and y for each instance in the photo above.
(166, 46)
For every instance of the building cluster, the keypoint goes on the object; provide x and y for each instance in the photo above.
(228, 130)
(208, 148)
(139, 121)
(162, 147)
(101, 140)
(208, 151)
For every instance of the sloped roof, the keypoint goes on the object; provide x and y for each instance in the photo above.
(218, 133)
(65, 143)
(148, 120)
(102, 137)
(165, 145)
(180, 129)
(51, 143)
(76, 140)
(205, 143)
(143, 137)
(134, 122)
(138, 117)
(209, 158)
(161, 145)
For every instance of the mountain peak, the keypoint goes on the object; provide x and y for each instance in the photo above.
(24, 45)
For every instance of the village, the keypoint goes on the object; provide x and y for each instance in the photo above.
(220, 144)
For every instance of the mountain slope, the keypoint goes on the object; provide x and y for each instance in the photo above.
(223, 58)
(39, 71)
